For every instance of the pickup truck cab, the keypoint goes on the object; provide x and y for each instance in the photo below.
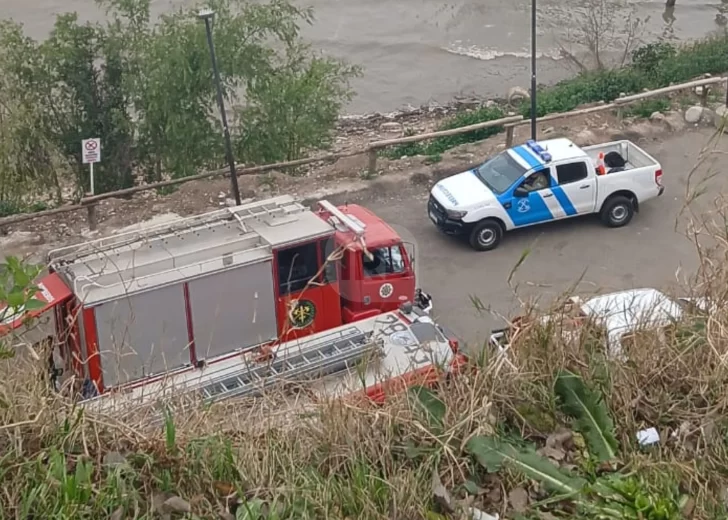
(542, 182)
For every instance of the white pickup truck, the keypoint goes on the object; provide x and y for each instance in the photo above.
(542, 182)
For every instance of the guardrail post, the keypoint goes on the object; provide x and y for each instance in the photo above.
(704, 96)
(372, 169)
(509, 135)
(93, 221)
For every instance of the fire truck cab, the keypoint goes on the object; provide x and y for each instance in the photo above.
(133, 308)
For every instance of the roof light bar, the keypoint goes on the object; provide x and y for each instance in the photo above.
(539, 150)
(357, 228)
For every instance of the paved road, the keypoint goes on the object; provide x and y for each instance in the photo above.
(648, 252)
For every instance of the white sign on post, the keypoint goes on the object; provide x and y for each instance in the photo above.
(91, 153)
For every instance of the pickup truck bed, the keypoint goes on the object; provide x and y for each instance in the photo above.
(633, 155)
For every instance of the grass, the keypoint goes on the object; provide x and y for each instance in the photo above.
(653, 66)
(8, 208)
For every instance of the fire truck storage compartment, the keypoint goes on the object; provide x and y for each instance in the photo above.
(142, 334)
(233, 309)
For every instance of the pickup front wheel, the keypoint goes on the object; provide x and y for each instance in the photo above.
(486, 235)
(617, 211)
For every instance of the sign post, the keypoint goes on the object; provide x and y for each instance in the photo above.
(91, 154)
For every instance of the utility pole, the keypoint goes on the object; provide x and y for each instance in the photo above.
(208, 15)
(533, 69)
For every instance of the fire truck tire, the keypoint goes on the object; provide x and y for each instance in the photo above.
(617, 211)
(486, 235)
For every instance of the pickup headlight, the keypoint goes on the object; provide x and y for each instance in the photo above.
(455, 214)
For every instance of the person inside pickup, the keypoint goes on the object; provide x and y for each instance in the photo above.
(537, 181)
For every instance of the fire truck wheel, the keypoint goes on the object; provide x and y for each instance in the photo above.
(486, 235)
(617, 211)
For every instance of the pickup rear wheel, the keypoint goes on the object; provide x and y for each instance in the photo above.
(486, 235)
(617, 211)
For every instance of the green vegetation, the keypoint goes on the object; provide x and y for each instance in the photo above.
(653, 66)
(146, 89)
(552, 432)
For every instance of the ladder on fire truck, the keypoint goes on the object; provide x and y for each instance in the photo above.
(344, 222)
(331, 353)
(328, 354)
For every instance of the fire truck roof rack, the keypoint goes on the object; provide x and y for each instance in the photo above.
(110, 268)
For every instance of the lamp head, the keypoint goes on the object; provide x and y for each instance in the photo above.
(205, 14)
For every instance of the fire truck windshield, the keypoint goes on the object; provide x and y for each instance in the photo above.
(385, 260)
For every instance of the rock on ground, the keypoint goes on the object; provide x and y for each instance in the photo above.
(585, 138)
(694, 114)
(517, 93)
(720, 116)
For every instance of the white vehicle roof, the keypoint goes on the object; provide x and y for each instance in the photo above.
(561, 149)
(627, 311)
(117, 266)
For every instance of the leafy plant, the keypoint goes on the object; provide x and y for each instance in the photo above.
(590, 414)
(650, 57)
(293, 108)
(17, 294)
(605, 496)
(430, 406)
(494, 454)
(17, 291)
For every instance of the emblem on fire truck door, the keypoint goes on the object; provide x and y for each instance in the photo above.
(386, 290)
(302, 314)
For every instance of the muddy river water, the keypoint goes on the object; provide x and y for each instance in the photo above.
(420, 51)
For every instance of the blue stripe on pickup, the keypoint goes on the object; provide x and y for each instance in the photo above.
(563, 199)
(531, 160)
(558, 191)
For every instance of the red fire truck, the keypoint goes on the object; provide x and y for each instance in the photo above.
(227, 301)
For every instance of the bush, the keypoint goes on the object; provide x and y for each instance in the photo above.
(653, 66)
(647, 108)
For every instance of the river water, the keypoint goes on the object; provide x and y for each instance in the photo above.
(419, 51)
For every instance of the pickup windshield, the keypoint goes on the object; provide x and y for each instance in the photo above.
(500, 172)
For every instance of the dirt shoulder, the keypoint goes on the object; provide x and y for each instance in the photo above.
(343, 178)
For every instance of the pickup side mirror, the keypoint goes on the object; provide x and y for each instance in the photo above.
(520, 192)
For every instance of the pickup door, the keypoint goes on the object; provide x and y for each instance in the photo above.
(576, 187)
(553, 193)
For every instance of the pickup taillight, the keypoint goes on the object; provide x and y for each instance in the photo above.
(658, 177)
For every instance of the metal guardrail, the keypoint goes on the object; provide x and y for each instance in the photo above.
(372, 149)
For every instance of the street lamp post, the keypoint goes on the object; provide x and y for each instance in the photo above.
(533, 69)
(207, 15)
